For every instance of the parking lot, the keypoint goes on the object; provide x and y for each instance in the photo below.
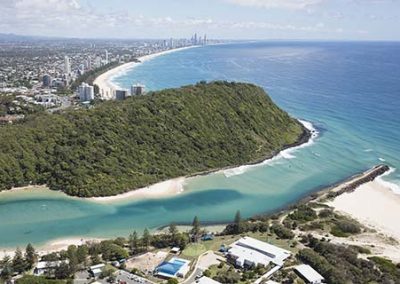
(122, 276)
(129, 278)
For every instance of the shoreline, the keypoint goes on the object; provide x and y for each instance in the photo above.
(306, 139)
(174, 186)
(104, 81)
(52, 246)
(162, 189)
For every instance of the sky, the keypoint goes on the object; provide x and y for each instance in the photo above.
(219, 19)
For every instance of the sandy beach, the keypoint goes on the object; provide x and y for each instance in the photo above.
(104, 81)
(53, 246)
(162, 189)
(373, 204)
(159, 190)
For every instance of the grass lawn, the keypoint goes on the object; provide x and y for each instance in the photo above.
(194, 250)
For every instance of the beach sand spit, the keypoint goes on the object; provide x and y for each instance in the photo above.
(374, 205)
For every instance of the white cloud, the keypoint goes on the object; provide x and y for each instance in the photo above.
(75, 18)
(48, 5)
(70, 18)
(284, 4)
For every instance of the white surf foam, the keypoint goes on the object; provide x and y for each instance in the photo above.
(393, 186)
(285, 154)
(368, 150)
(381, 159)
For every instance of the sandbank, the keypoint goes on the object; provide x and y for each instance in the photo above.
(162, 189)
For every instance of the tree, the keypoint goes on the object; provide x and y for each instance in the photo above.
(238, 223)
(72, 257)
(181, 240)
(82, 253)
(195, 228)
(6, 268)
(146, 239)
(133, 242)
(95, 258)
(63, 271)
(30, 256)
(18, 262)
(173, 232)
(112, 251)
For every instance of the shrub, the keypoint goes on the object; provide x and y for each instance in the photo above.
(282, 232)
(325, 213)
(344, 228)
(362, 250)
(386, 266)
(303, 214)
(172, 281)
(228, 276)
(207, 273)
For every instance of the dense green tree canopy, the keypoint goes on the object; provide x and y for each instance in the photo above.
(119, 146)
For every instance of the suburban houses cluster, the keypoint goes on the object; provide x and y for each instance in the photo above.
(242, 255)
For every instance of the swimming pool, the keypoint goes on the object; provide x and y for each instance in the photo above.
(172, 268)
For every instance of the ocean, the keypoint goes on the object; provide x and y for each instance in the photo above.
(349, 91)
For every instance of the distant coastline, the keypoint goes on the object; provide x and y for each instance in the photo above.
(105, 80)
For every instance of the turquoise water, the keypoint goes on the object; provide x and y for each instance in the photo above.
(349, 91)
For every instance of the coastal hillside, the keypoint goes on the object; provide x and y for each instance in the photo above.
(122, 145)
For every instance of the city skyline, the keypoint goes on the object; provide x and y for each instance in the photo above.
(223, 19)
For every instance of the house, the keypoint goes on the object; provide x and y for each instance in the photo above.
(173, 268)
(206, 280)
(175, 250)
(44, 267)
(309, 274)
(223, 248)
(96, 270)
(249, 252)
(207, 237)
(115, 264)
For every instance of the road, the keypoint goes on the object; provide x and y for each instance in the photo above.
(203, 263)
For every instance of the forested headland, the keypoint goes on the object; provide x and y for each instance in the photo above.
(122, 145)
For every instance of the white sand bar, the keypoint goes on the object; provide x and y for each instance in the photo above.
(162, 189)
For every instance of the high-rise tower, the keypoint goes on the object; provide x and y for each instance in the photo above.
(67, 65)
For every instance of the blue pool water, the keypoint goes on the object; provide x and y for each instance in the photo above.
(170, 267)
(350, 91)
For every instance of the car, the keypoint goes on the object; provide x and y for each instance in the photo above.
(198, 276)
